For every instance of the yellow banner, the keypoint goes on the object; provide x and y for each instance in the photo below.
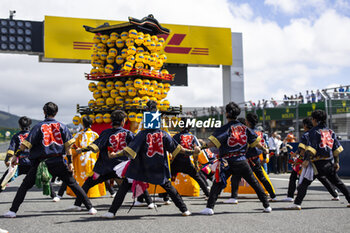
(65, 38)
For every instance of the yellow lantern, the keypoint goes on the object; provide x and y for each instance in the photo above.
(76, 120)
(110, 59)
(128, 66)
(154, 84)
(110, 85)
(166, 104)
(114, 93)
(129, 42)
(150, 91)
(146, 58)
(160, 86)
(132, 91)
(139, 117)
(118, 84)
(146, 82)
(153, 98)
(139, 40)
(99, 118)
(92, 117)
(139, 65)
(119, 43)
(119, 60)
(128, 102)
(103, 55)
(110, 43)
(140, 50)
(92, 86)
(152, 46)
(144, 100)
(147, 41)
(159, 64)
(137, 83)
(107, 118)
(110, 101)
(129, 83)
(167, 87)
(131, 59)
(101, 85)
(161, 40)
(94, 72)
(97, 94)
(101, 47)
(105, 92)
(139, 57)
(104, 39)
(91, 103)
(112, 52)
(136, 101)
(113, 36)
(132, 33)
(119, 100)
(154, 38)
(96, 39)
(124, 35)
(163, 93)
(163, 57)
(132, 116)
(157, 94)
(109, 69)
(100, 102)
(159, 47)
(123, 91)
(152, 61)
(164, 72)
(142, 90)
(124, 53)
(131, 50)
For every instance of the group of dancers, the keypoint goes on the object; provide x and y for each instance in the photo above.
(144, 158)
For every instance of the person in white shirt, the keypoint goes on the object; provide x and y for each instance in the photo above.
(308, 97)
(278, 151)
(273, 159)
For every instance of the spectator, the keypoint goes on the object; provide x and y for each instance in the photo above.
(308, 97)
(259, 104)
(283, 157)
(274, 102)
(273, 156)
(335, 93)
(319, 96)
(313, 97)
(278, 151)
(301, 98)
(285, 100)
(291, 98)
(341, 92)
(347, 91)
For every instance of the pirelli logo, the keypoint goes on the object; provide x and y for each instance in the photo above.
(172, 46)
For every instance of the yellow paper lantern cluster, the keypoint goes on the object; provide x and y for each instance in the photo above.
(129, 50)
(128, 94)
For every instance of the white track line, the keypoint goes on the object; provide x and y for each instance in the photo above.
(283, 179)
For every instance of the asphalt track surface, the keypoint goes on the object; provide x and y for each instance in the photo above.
(319, 214)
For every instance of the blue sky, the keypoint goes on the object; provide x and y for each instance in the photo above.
(289, 46)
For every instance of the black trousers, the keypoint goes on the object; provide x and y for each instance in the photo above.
(145, 196)
(90, 182)
(272, 165)
(23, 170)
(108, 185)
(323, 179)
(187, 167)
(59, 169)
(324, 168)
(242, 169)
(292, 184)
(283, 162)
(257, 169)
(125, 186)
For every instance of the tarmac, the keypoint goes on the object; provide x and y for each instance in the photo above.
(319, 213)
